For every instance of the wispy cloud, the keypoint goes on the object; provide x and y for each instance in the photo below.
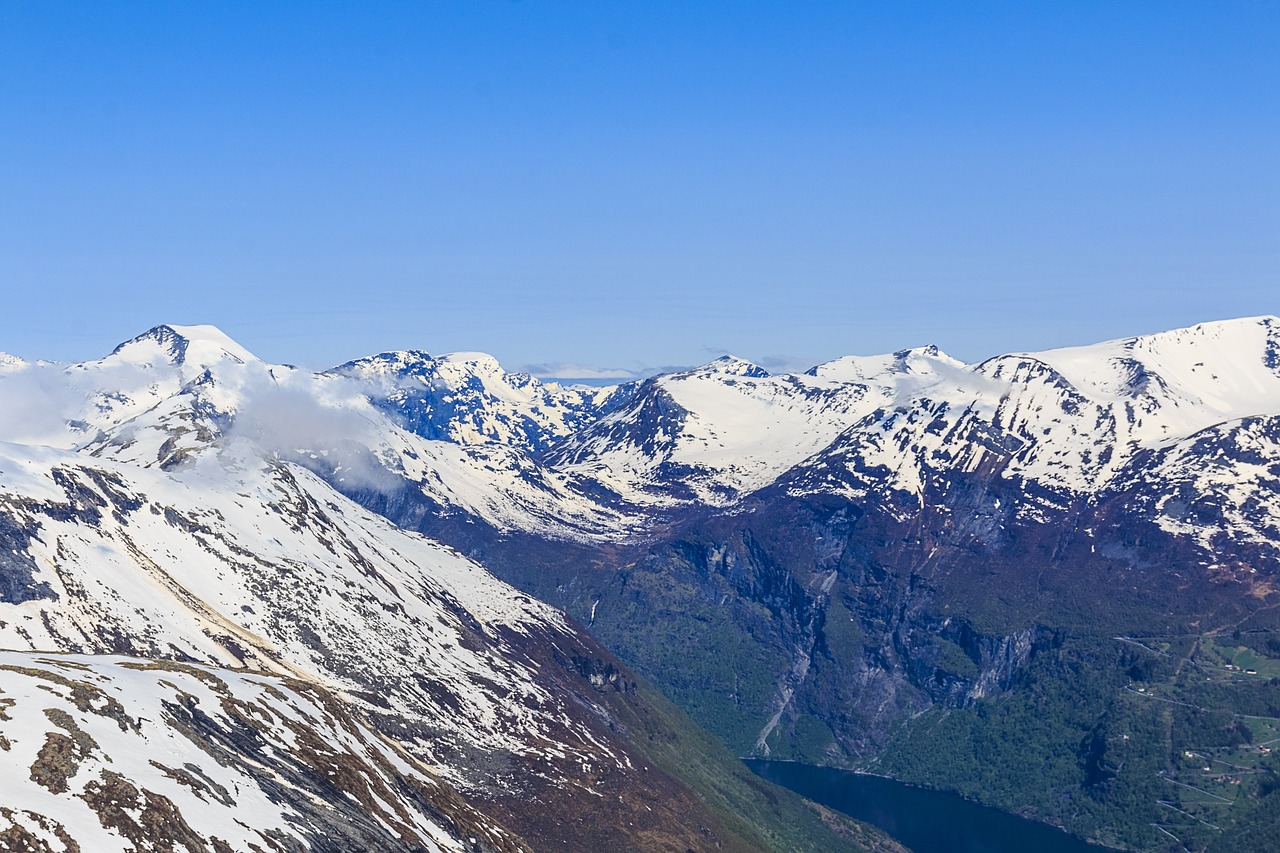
(325, 423)
(41, 398)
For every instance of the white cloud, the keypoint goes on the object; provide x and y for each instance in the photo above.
(322, 421)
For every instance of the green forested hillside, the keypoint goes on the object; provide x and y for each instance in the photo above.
(1143, 743)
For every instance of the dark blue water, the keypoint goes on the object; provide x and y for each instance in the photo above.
(926, 821)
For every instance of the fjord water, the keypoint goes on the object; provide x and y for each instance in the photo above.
(925, 821)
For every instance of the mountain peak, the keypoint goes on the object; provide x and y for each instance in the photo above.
(732, 365)
(1228, 364)
(1267, 321)
(409, 362)
(480, 362)
(179, 345)
(923, 360)
(928, 351)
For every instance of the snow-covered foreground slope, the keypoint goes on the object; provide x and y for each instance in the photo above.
(114, 754)
(238, 562)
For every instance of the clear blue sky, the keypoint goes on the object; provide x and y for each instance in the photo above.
(632, 185)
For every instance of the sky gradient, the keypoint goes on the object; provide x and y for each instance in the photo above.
(635, 185)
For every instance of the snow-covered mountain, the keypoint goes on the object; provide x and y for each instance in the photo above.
(467, 398)
(900, 487)
(1073, 424)
(234, 562)
(1070, 423)
(710, 435)
(456, 436)
(174, 503)
(466, 437)
(181, 500)
(165, 394)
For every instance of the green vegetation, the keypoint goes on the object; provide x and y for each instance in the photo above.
(804, 739)
(1088, 726)
(759, 813)
(1255, 653)
(1150, 743)
(952, 659)
(716, 661)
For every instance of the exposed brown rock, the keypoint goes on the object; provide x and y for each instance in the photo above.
(159, 828)
(60, 757)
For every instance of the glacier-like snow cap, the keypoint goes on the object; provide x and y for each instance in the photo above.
(202, 346)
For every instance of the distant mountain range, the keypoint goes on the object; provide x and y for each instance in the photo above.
(283, 578)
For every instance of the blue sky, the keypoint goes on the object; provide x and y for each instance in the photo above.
(635, 185)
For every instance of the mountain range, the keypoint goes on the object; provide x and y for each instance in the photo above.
(419, 600)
